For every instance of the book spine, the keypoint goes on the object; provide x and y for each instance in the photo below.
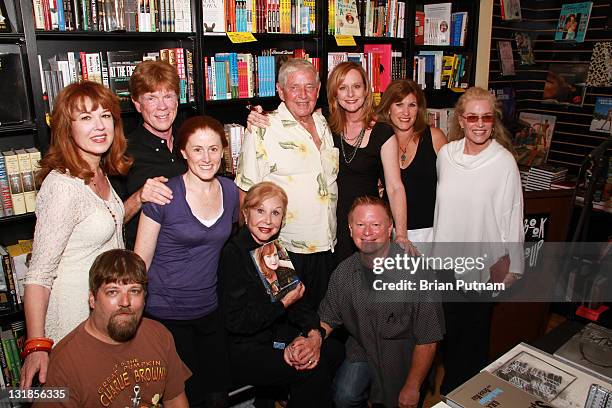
(5, 192)
(27, 177)
(15, 183)
(10, 361)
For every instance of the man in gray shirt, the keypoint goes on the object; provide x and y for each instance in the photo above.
(391, 343)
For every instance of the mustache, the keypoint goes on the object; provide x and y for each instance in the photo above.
(127, 310)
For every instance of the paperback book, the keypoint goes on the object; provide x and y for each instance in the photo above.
(275, 269)
(347, 19)
(566, 84)
(602, 116)
(437, 24)
(532, 139)
(573, 21)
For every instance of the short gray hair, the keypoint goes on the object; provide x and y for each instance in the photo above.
(292, 65)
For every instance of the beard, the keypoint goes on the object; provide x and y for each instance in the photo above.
(121, 328)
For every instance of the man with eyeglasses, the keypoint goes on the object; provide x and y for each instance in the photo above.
(154, 88)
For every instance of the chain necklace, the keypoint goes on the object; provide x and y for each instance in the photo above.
(355, 146)
(118, 223)
(404, 155)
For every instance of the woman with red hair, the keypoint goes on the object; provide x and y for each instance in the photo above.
(78, 216)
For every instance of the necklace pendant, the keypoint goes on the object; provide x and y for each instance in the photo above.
(403, 158)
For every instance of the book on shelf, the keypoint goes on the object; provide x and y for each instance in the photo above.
(13, 96)
(440, 118)
(347, 18)
(602, 116)
(27, 179)
(15, 182)
(532, 139)
(511, 10)
(113, 15)
(234, 134)
(5, 191)
(458, 29)
(524, 47)
(573, 21)
(506, 58)
(506, 97)
(8, 269)
(419, 28)
(213, 16)
(20, 253)
(121, 65)
(275, 269)
(437, 23)
(565, 83)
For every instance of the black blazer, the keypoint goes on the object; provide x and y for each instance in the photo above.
(249, 314)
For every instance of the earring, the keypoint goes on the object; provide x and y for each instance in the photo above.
(492, 133)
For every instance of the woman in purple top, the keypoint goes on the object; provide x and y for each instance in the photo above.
(181, 243)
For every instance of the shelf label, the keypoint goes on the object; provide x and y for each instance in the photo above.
(345, 41)
(241, 37)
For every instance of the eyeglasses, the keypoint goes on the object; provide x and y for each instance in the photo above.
(476, 118)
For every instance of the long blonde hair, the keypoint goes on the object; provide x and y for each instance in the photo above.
(499, 132)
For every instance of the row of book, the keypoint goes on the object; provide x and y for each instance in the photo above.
(231, 75)
(259, 16)
(113, 15)
(12, 337)
(17, 181)
(381, 63)
(542, 177)
(112, 69)
(440, 118)
(438, 26)
(370, 18)
(13, 267)
(437, 70)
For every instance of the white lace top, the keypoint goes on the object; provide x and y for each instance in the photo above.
(73, 227)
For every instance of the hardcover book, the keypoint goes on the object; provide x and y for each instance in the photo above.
(602, 116)
(532, 139)
(121, 65)
(573, 21)
(525, 48)
(381, 71)
(213, 16)
(566, 84)
(437, 23)
(275, 269)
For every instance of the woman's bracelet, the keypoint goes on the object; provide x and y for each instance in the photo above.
(36, 344)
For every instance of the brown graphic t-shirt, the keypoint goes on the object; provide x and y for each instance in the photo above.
(140, 373)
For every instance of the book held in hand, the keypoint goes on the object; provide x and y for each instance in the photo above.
(275, 269)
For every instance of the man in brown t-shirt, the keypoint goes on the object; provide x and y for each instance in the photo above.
(116, 358)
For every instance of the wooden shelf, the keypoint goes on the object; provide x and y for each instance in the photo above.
(18, 218)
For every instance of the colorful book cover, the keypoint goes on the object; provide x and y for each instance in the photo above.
(506, 97)
(566, 83)
(383, 73)
(347, 18)
(275, 269)
(506, 59)
(525, 48)
(532, 139)
(419, 28)
(121, 65)
(437, 23)
(602, 116)
(573, 21)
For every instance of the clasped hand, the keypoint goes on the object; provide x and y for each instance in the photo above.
(304, 353)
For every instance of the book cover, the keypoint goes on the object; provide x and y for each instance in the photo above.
(275, 269)
(506, 97)
(602, 116)
(506, 59)
(525, 48)
(347, 18)
(213, 16)
(15, 183)
(5, 191)
(590, 349)
(383, 70)
(532, 139)
(511, 10)
(566, 83)
(573, 21)
(27, 178)
(437, 23)
(487, 390)
(121, 65)
(419, 28)
(13, 97)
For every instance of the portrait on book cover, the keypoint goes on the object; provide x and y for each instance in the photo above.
(566, 84)
(275, 269)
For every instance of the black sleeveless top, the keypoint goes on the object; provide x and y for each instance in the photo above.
(420, 180)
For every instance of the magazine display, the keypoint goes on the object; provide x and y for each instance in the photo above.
(275, 269)
(525, 48)
(566, 84)
(532, 139)
(566, 385)
(573, 21)
(602, 116)
(590, 349)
